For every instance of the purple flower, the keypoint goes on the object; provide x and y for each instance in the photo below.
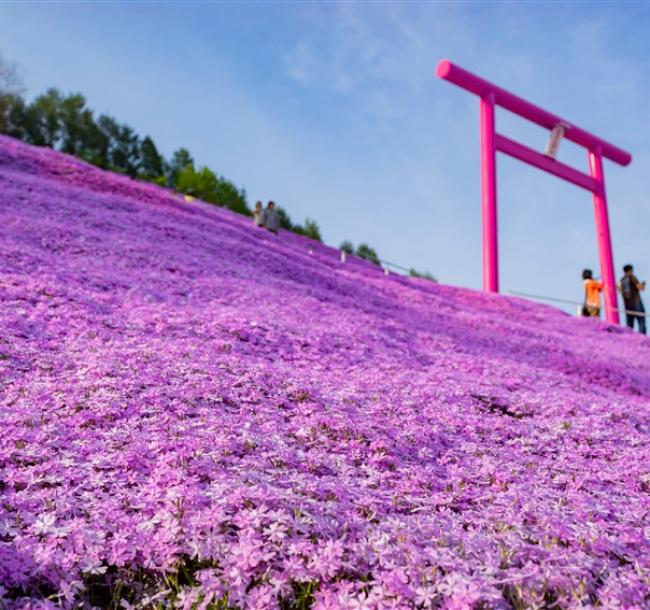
(186, 400)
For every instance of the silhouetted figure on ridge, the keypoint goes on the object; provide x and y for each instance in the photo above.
(258, 215)
(631, 288)
(271, 218)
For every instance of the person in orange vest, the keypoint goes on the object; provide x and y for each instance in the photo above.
(593, 288)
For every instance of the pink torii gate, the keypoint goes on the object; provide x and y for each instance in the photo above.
(491, 142)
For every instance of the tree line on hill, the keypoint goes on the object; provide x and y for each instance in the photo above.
(368, 253)
(66, 123)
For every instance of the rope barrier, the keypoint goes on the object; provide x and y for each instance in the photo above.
(383, 263)
(395, 265)
(543, 298)
(638, 314)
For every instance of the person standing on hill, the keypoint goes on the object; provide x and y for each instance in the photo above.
(593, 288)
(631, 288)
(258, 215)
(271, 218)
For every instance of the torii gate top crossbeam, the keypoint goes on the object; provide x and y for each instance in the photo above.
(457, 75)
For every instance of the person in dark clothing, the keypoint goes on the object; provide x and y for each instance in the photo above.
(271, 218)
(631, 288)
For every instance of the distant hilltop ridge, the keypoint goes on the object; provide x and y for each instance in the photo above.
(196, 411)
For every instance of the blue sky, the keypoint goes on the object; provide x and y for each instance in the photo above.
(333, 110)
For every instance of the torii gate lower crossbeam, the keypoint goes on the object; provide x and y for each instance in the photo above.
(490, 96)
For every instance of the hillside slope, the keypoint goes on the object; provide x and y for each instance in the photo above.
(194, 408)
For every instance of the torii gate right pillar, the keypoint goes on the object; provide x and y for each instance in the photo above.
(603, 237)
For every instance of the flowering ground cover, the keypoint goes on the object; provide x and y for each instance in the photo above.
(195, 413)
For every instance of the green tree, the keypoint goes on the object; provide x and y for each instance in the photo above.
(425, 275)
(229, 196)
(310, 229)
(80, 134)
(152, 165)
(94, 143)
(123, 154)
(366, 252)
(12, 115)
(43, 119)
(74, 120)
(200, 183)
(206, 185)
(180, 160)
(110, 128)
(285, 219)
(347, 246)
